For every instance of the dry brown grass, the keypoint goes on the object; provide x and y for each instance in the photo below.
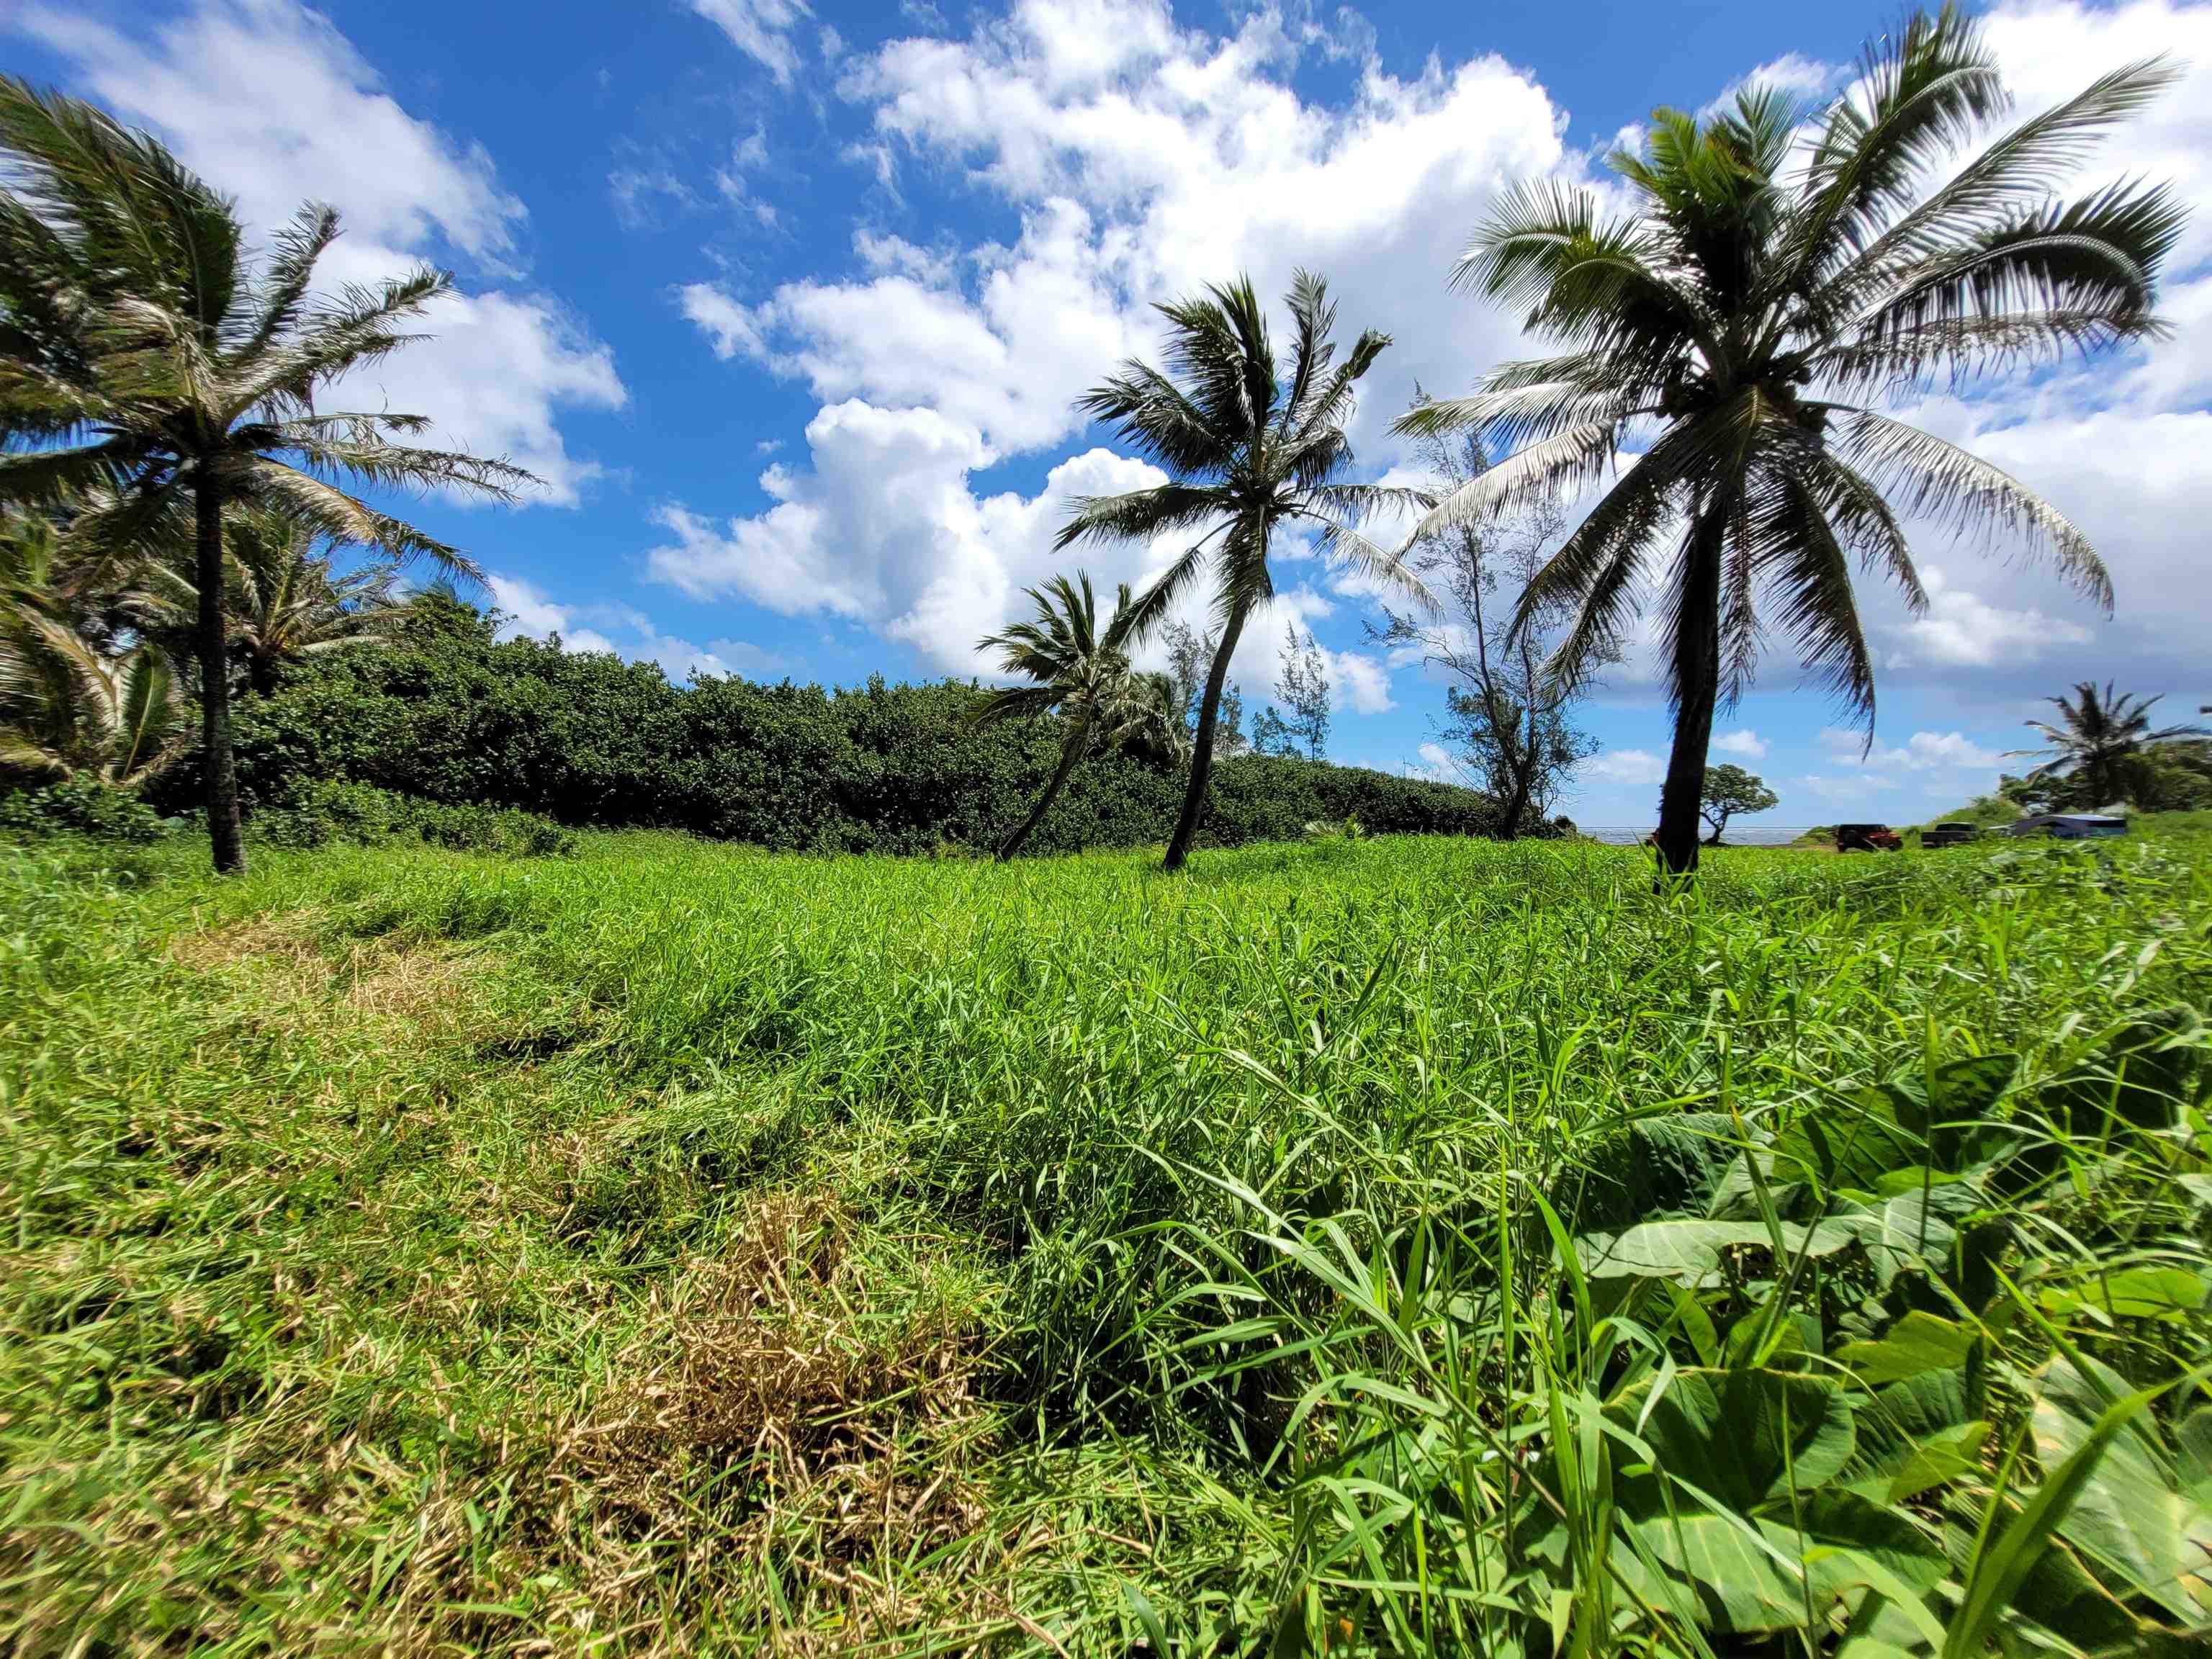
(429, 984)
(767, 1409)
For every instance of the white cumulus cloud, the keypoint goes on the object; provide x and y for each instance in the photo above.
(1746, 743)
(1627, 767)
(271, 102)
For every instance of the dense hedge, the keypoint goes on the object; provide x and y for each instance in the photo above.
(451, 714)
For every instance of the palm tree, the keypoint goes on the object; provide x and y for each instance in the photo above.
(1247, 451)
(66, 708)
(1149, 720)
(146, 360)
(2097, 735)
(1075, 671)
(284, 602)
(1745, 317)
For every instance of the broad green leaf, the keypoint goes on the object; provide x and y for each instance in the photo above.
(2193, 1453)
(1967, 1089)
(2143, 1076)
(1918, 1342)
(1846, 1143)
(1690, 1250)
(1914, 1228)
(1648, 1168)
(2130, 1516)
(2143, 1292)
(1905, 1472)
(1740, 1438)
(2001, 1568)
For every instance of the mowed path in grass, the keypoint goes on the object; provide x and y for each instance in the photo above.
(676, 1248)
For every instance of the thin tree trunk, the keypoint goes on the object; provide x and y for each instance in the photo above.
(1523, 760)
(225, 836)
(1201, 756)
(1697, 682)
(1070, 752)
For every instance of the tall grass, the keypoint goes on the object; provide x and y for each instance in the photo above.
(1399, 1246)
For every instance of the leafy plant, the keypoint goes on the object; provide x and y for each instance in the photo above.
(1756, 306)
(151, 370)
(1731, 792)
(2099, 741)
(1248, 449)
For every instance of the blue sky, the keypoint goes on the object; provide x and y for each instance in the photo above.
(787, 307)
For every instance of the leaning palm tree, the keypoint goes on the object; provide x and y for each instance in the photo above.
(1248, 450)
(1075, 670)
(284, 602)
(1739, 325)
(2098, 734)
(67, 709)
(147, 361)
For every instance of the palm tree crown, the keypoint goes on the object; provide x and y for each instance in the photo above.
(2097, 734)
(68, 708)
(1745, 317)
(1075, 669)
(1248, 449)
(285, 601)
(148, 360)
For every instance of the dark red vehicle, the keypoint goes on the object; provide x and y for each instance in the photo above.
(1867, 838)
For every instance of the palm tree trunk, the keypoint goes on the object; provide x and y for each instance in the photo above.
(1697, 684)
(225, 836)
(1070, 752)
(1201, 754)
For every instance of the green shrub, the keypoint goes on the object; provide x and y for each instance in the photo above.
(453, 715)
(328, 810)
(83, 806)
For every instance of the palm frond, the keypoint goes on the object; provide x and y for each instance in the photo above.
(1140, 514)
(1934, 478)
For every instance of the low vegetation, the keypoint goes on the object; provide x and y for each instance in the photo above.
(1375, 1246)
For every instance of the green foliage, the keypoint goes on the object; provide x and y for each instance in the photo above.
(84, 806)
(318, 814)
(1730, 792)
(2102, 751)
(1410, 1247)
(1781, 275)
(447, 714)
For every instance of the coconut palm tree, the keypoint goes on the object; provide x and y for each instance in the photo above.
(1074, 669)
(146, 358)
(1739, 324)
(67, 709)
(1248, 450)
(1149, 720)
(284, 602)
(2097, 735)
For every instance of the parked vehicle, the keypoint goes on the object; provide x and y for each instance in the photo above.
(2072, 826)
(1949, 835)
(1867, 838)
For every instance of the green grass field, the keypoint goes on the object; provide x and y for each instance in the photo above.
(1395, 1246)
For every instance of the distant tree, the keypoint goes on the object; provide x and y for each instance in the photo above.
(1148, 721)
(1508, 723)
(1729, 792)
(1783, 274)
(1246, 450)
(1190, 657)
(1271, 732)
(144, 355)
(1301, 690)
(285, 601)
(2097, 739)
(1075, 669)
